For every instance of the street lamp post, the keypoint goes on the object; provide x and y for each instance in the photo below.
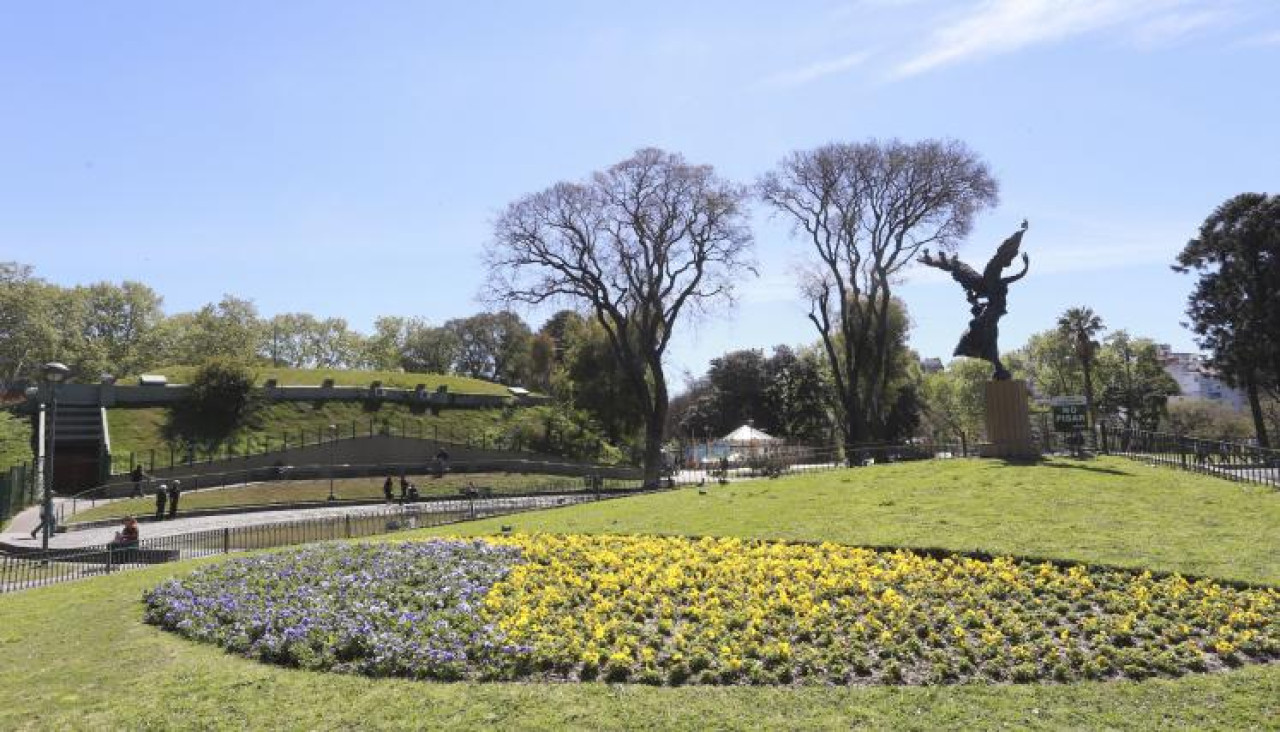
(54, 374)
(333, 446)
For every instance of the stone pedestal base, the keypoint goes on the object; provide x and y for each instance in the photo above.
(1008, 421)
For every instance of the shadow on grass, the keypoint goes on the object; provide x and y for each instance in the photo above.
(1076, 465)
(1058, 464)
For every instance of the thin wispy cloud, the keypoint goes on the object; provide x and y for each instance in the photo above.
(815, 71)
(996, 27)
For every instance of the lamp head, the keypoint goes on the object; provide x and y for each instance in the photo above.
(55, 372)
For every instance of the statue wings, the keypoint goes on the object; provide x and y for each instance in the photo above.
(967, 276)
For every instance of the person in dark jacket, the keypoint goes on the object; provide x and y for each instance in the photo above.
(162, 497)
(137, 476)
(387, 489)
(175, 490)
(46, 520)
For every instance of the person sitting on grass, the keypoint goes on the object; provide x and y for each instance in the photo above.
(126, 537)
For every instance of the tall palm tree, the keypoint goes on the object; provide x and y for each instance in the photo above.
(1080, 326)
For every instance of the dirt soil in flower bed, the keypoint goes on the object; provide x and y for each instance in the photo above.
(677, 611)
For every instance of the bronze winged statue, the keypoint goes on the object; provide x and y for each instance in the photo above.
(986, 293)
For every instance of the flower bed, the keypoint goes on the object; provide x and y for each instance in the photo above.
(713, 611)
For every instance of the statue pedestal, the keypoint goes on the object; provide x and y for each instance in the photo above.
(1008, 421)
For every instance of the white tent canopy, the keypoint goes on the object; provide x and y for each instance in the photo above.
(746, 434)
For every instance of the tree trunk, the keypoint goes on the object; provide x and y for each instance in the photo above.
(1255, 407)
(1088, 392)
(655, 423)
(854, 429)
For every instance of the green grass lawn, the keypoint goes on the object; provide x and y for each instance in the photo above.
(295, 491)
(77, 656)
(1109, 511)
(342, 377)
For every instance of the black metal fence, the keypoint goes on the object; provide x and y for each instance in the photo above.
(35, 568)
(18, 490)
(1230, 460)
(176, 454)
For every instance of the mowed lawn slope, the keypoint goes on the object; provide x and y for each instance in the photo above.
(1108, 511)
(77, 655)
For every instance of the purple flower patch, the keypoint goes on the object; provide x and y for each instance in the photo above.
(406, 609)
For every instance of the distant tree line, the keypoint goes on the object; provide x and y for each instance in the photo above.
(122, 330)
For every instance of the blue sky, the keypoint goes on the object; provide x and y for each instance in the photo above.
(347, 159)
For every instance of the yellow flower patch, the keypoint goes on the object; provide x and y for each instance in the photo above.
(672, 610)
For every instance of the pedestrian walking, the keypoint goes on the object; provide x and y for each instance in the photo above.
(162, 497)
(175, 490)
(46, 519)
(442, 462)
(387, 489)
(137, 476)
(404, 488)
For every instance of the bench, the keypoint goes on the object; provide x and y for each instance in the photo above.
(127, 555)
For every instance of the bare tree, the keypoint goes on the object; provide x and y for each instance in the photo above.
(638, 245)
(867, 209)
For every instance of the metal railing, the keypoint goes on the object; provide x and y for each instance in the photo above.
(36, 568)
(538, 477)
(1230, 460)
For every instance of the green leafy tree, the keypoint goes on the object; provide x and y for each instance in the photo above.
(1135, 386)
(30, 330)
(429, 349)
(1235, 307)
(493, 346)
(229, 330)
(220, 400)
(798, 396)
(383, 350)
(1047, 360)
(1206, 420)
(115, 328)
(592, 380)
(954, 402)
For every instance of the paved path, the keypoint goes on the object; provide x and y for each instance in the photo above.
(17, 537)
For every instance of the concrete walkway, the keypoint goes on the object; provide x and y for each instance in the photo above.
(19, 537)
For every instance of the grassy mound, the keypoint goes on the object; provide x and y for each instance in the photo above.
(343, 377)
(141, 431)
(1115, 513)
